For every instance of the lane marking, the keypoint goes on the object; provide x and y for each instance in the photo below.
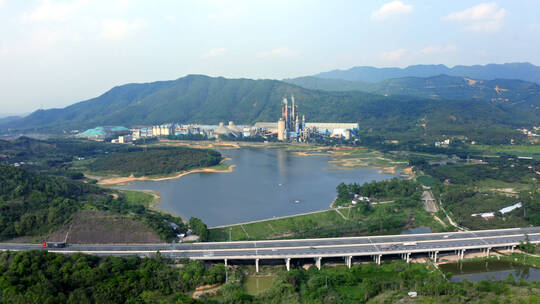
(376, 245)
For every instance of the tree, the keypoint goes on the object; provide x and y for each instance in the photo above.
(199, 228)
(527, 246)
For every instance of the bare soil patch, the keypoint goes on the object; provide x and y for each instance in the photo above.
(100, 227)
(131, 178)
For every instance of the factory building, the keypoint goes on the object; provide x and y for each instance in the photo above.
(163, 130)
(290, 127)
(100, 133)
(230, 130)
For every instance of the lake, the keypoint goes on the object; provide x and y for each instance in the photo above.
(265, 183)
(475, 271)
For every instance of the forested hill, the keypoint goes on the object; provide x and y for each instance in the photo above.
(33, 204)
(523, 71)
(202, 99)
(522, 94)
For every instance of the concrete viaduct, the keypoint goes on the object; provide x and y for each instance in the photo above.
(406, 246)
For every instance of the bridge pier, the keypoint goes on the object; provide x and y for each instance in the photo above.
(288, 263)
(256, 265)
(348, 261)
(462, 253)
(379, 259)
(433, 255)
(513, 248)
(408, 257)
(318, 262)
(226, 263)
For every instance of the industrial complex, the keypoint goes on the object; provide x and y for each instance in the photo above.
(289, 127)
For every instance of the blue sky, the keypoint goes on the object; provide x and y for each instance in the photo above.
(54, 53)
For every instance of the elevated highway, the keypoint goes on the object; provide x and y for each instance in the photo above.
(376, 247)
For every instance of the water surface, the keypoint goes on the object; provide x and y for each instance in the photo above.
(257, 285)
(265, 183)
(475, 271)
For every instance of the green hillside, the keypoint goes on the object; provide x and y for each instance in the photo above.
(202, 99)
(517, 93)
(33, 204)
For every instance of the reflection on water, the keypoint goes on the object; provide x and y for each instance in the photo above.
(265, 183)
(490, 270)
(256, 285)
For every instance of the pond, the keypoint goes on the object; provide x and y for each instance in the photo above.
(490, 269)
(265, 183)
(257, 285)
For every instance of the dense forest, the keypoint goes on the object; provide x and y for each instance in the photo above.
(69, 157)
(155, 161)
(379, 190)
(33, 204)
(42, 277)
(55, 155)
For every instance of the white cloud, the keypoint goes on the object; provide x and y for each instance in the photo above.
(392, 9)
(484, 17)
(437, 49)
(214, 52)
(278, 53)
(117, 29)
(394, 55)
(53, 11)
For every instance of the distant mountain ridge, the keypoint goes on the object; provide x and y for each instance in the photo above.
(7, 119)
(518, 93)
(523, 71)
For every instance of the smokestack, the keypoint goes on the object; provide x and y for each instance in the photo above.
(293, 110)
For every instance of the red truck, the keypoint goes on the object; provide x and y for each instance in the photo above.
(54, 245)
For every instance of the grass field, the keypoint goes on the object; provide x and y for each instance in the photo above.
(145, 198)
(277, 228)
(385, 218)
(519, 150)
(497, 185)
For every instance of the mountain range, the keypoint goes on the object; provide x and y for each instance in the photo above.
(518, 93)
(409, 106)
(523, 71)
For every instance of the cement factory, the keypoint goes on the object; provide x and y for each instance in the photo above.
(289, 128)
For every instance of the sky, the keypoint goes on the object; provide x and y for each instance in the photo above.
(54, 53)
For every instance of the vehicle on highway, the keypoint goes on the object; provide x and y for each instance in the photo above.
(54, 245)
(410, 244)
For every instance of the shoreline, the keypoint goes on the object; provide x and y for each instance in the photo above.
(337, 154)
(108, 181)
